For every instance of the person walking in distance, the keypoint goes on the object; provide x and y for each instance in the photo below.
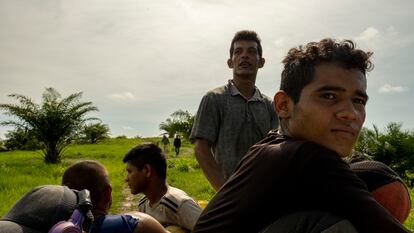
(177, 144)
(165, 143)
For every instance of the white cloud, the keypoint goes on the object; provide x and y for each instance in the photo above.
(387, 88)
(126, 96)
(368, 35)
(385, 41)
(128, 128)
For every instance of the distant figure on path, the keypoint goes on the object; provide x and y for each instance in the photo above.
(165, 142)
(177, 144)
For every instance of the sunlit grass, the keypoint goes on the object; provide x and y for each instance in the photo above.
(22, 170)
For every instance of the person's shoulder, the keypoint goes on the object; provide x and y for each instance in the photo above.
(313, 153)
(115, 223)
(267, 98)
(176, 194)
(217, 91)
(275, 143)
(115, 217)
(175, 197)
(313, 146)
(274, 140)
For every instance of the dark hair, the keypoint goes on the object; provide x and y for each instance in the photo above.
(148, 153)
(300, 63)
(248, 36)
(87, 174)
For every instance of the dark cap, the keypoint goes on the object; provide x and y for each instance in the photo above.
(386, 187)
(375, 174)
(39, 209)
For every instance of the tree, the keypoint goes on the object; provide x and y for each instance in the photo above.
(94, 132)
(53, 122)
(21, 139)
(395, 148)
(180, 122)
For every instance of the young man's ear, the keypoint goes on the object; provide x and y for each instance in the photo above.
(230, 63)
(147, 170)
(283, 104)
(108, 195)
(261, 62)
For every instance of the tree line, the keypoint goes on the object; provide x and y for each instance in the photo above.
(56, 122)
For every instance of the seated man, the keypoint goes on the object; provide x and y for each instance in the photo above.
(321, 110)
(91, 175)
(147, 172)
(41, 208)
(386, 187)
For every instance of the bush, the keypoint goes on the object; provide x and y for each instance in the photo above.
(93, 132)
(21, 139)
(3, 148)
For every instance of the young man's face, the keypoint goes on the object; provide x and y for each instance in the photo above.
(331, 109)
(135, 178)
(245, 60)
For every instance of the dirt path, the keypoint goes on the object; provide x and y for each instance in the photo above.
(129, 204)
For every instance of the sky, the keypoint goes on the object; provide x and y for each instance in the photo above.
(138, 61)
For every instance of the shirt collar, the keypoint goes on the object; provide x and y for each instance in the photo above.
(234, 91)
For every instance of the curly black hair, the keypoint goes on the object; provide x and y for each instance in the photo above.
(300, 62)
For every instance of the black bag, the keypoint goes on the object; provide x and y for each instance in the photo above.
(81, 218)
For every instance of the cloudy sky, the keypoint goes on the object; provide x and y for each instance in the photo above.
(140, 60)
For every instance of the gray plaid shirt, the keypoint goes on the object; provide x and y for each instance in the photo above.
(232, 123)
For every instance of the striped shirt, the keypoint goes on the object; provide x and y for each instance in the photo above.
(174, 208)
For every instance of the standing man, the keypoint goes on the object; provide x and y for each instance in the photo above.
(235, 116)
(299, 168)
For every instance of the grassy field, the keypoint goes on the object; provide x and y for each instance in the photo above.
(22, 170)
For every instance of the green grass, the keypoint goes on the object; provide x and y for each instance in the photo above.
(22, 170)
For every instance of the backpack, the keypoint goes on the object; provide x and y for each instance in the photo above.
(81, 217)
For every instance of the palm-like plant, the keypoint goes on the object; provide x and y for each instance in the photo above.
(394, 147)
(181, 122)
(53, 122)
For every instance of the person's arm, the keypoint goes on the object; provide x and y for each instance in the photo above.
(148, 224)
(208, 164)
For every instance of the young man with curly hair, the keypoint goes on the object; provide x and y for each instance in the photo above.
(296, 178)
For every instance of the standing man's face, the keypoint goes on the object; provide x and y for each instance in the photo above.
(330, 110)
(245, 60)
